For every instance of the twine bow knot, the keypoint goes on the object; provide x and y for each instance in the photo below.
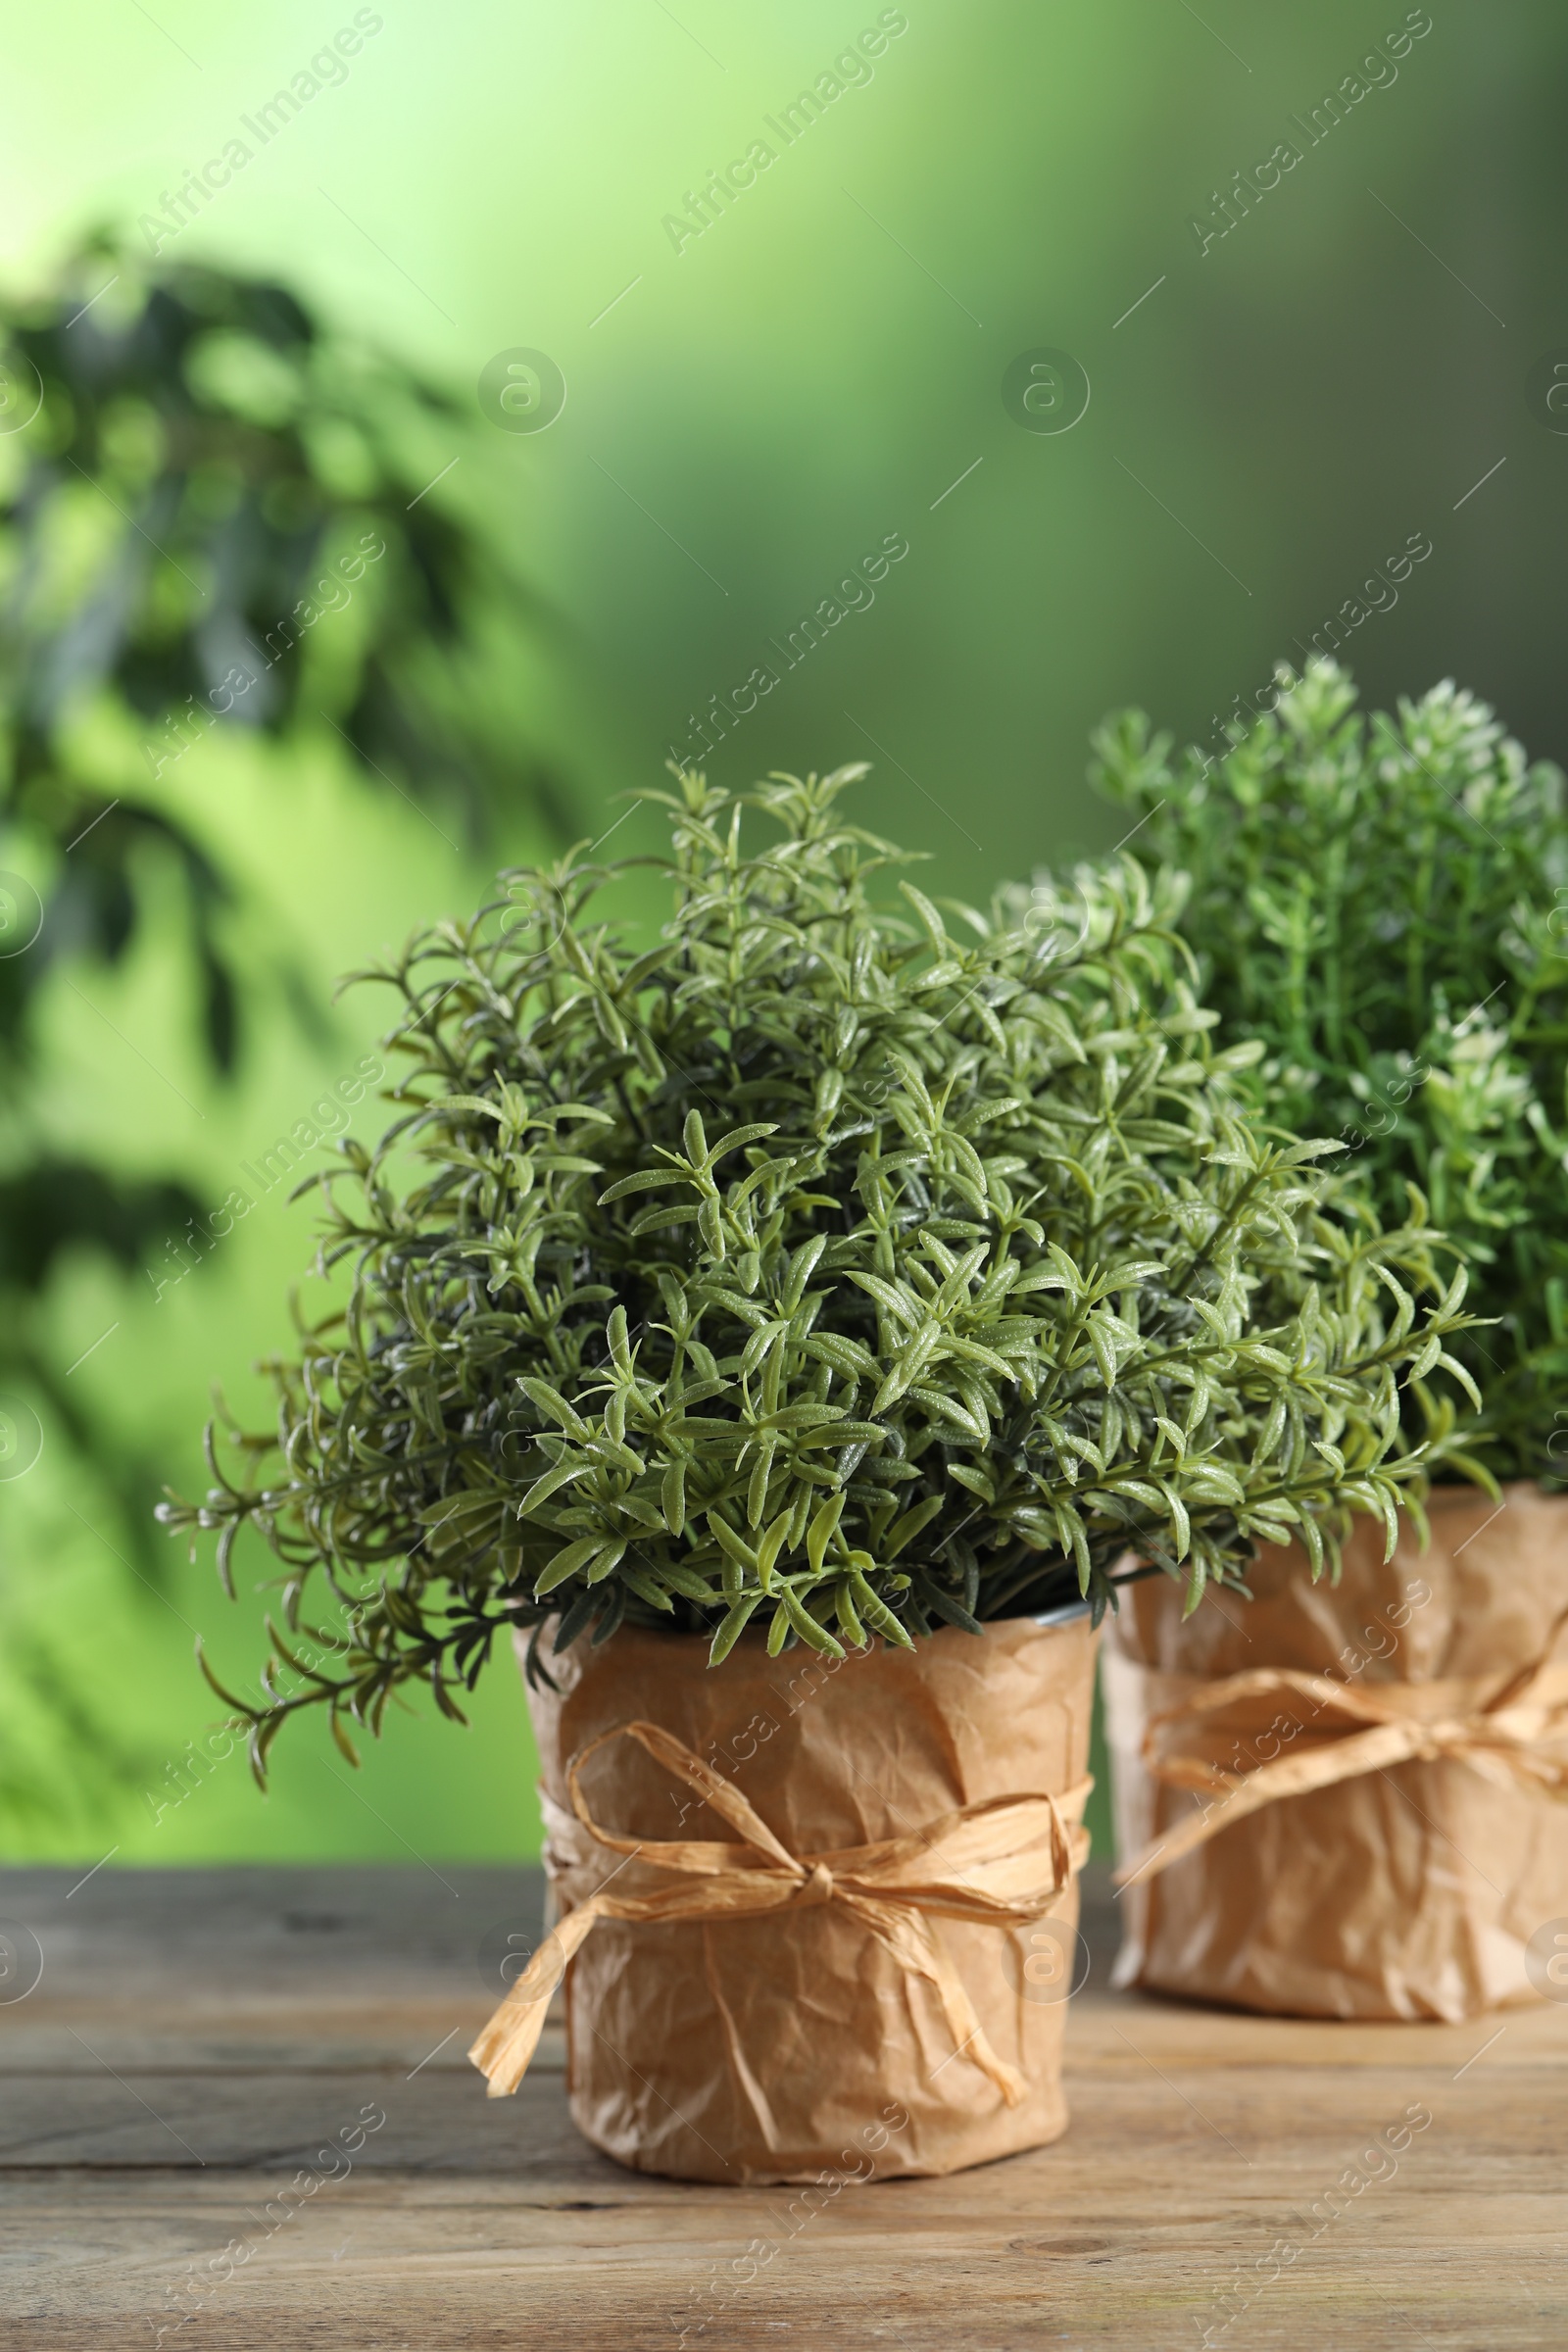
(817, 1889)
(999, 1863)
(1512, 1729)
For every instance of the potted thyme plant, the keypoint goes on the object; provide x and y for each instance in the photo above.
(781, 1329)
(1378, 904)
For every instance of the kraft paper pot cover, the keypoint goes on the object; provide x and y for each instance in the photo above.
(819, 2008)
(1415, 1717)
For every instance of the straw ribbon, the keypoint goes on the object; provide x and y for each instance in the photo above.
(1001, 1863)
(1512, 1731)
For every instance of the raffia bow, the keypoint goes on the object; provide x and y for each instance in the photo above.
(1001, 1863)
(1513, 1732)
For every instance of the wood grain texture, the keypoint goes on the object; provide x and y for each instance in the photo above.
(197, 2037)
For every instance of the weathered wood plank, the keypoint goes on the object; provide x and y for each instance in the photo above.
(198, 2037)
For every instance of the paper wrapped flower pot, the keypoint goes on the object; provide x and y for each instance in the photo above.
(814, 1915)
(1353, 1801)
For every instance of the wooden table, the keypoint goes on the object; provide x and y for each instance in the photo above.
(196, 2036)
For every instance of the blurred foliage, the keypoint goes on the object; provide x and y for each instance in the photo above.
(757, 412)
(214, 515)
(980, 1280)
(1382, 902)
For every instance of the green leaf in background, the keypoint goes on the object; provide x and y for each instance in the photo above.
(216, 519)
(219, 518)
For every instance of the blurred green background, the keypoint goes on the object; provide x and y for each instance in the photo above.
(749, 412)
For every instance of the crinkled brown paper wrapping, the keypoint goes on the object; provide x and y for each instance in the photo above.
(772, 2048)
(1407, 1892)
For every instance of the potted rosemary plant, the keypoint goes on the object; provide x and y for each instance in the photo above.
(1378, 905)
(828, 1293)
